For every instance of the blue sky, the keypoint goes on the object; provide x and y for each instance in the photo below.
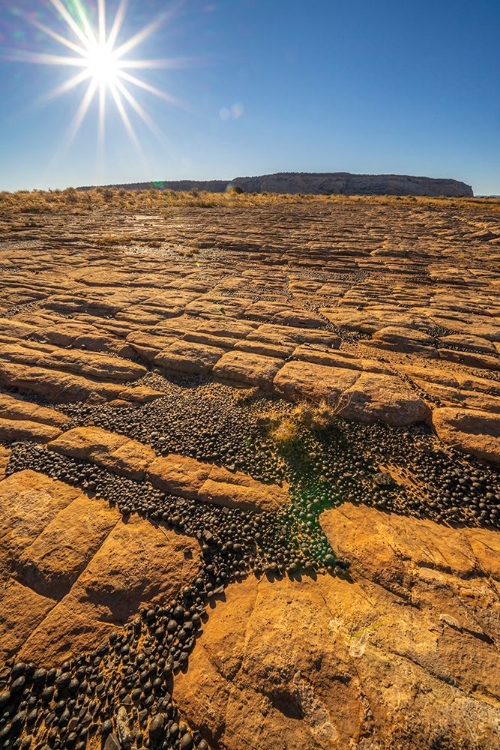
(365, 86)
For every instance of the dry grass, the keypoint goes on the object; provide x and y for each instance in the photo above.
(285, 434)
(315, 417)
(284, 429)
(167, 202)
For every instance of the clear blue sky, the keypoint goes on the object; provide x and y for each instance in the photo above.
(370, 86)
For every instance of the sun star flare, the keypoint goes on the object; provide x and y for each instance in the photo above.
(103, 62)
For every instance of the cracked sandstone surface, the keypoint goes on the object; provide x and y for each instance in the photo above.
(142, 524)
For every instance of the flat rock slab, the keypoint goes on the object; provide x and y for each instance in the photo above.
(54, 560)
(298, 380)
(21, 612)
(72, 570)
(322, 355)
(93, 365)
(471, 359)
(248, 367)
(12, 407)
(402, 338)
(138, 564)
(382, 398)
(187, 477)
(4, 460)
(186, 356)
(464, 341)
(286, 314)
(114, 452)
(65, 387)
(180, 475)
(23, 429)
(29, 502)
(296, 663)
(238, 490)
(471, 431)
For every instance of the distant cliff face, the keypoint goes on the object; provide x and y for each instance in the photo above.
(317, 183)
(343, 183)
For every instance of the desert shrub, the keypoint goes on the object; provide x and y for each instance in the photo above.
(285, 434)
(317, 417)
(283, 430)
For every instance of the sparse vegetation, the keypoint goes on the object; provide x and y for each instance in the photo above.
(168, 202)
(285, 433)
(315, 417)
(285, 429)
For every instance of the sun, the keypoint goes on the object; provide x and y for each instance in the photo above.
(103, 63)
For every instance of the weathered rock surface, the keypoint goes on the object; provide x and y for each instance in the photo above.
(385, 293)
(119, 321)
(193, 479)
(116, 453)
(23, 429)
(73, 570)
(238, 490)
(248, 367)
(332, 663)
(4, 460)
(471, 431)
(13, 408)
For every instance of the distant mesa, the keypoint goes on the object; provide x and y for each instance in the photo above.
(319, 183)
(343, 183)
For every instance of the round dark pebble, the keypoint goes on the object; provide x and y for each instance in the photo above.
(18, 684)
(106, 727)
(186, 741)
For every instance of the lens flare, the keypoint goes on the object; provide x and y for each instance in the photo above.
(103, 63)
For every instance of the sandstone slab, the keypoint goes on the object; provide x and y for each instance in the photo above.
(13, 407)
(55, 386)
(93, 365)
(238, 490)
(21, 612)
(188, 356)
(4, 460)
(297, 380)
(137, 564)
(464, 341)
(403, 339)
(178, 474)
(469, 430)
(277, 333)
(284, 314)
(247, 367)
(472, 359)
(54, 560)
(114, 452)
(382, 398)
(321, 355)
(23, 429)
(29, 501)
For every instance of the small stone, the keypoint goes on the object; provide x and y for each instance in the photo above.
(18, 685)
(111, 743)
(106, 727)
(156, 727)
